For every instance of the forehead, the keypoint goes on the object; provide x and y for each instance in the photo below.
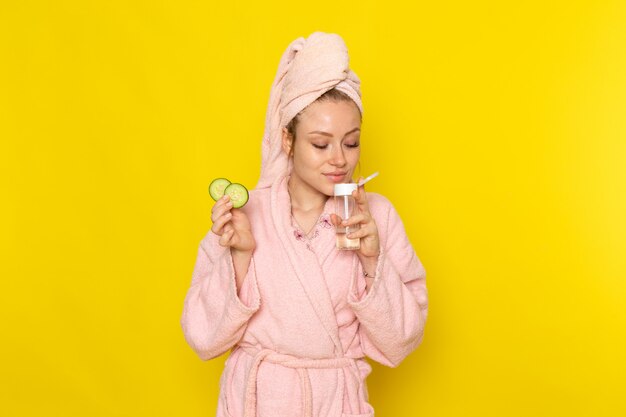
(331, 114)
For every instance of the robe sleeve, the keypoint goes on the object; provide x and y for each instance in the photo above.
(392, 314)
(214, 315)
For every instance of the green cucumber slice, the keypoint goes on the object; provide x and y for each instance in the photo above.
(217, 187)
(238, 194)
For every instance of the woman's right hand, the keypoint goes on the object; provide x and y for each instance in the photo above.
(232, 225)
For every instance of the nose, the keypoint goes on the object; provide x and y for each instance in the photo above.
(338, 158)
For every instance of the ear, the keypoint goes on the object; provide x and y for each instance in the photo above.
(287, 141)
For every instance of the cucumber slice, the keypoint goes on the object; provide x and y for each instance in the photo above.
(238, 194)
(217, 187)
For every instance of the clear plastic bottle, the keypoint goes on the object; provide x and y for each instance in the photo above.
(345, 207)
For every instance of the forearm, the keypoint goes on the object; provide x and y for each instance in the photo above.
(368, 263)
(241, 263)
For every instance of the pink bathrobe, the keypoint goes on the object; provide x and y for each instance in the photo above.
(302, 324)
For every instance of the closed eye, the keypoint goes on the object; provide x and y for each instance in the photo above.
(352, 145)
(320, 146)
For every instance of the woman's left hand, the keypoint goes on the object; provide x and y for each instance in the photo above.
(368, 232)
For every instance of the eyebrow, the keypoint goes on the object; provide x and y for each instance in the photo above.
(329, 135)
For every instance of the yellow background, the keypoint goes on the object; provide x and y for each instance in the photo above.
(499, 129)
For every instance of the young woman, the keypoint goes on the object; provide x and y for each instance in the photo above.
(299, 315)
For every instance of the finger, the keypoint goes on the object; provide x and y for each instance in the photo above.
(335, 220)
(228, 227)
(221, 201)
(361, 199)
(360, 218)
(234, 236)
(360, 233)
(226, 238)
(220, 210)
(220, 222)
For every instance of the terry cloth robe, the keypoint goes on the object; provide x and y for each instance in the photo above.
(302, 323)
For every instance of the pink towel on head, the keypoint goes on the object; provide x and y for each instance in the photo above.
(308, 68)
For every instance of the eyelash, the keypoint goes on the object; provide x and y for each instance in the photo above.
(356, 145)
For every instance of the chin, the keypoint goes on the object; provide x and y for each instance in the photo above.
(327, 190)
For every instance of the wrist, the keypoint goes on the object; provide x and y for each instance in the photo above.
(371, 259)
(241, 253)
(368, 264)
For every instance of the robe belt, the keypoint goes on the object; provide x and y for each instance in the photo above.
(289, 361)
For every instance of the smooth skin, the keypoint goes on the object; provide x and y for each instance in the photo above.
(326, 152)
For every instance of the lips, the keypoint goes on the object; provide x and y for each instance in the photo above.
(336, 177)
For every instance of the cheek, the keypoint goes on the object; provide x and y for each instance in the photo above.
(307, 158)
(355, 156)
(303, 161)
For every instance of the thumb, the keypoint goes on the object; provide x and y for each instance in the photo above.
(361, 198)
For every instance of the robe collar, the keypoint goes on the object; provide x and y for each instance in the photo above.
(305, 263)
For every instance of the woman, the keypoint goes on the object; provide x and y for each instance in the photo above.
(269, 283)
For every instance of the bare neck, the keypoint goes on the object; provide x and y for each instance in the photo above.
(305, 198)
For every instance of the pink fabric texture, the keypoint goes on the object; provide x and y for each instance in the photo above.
(308, 68)
(305, 301)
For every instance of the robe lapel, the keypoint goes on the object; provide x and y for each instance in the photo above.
(304, 262)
